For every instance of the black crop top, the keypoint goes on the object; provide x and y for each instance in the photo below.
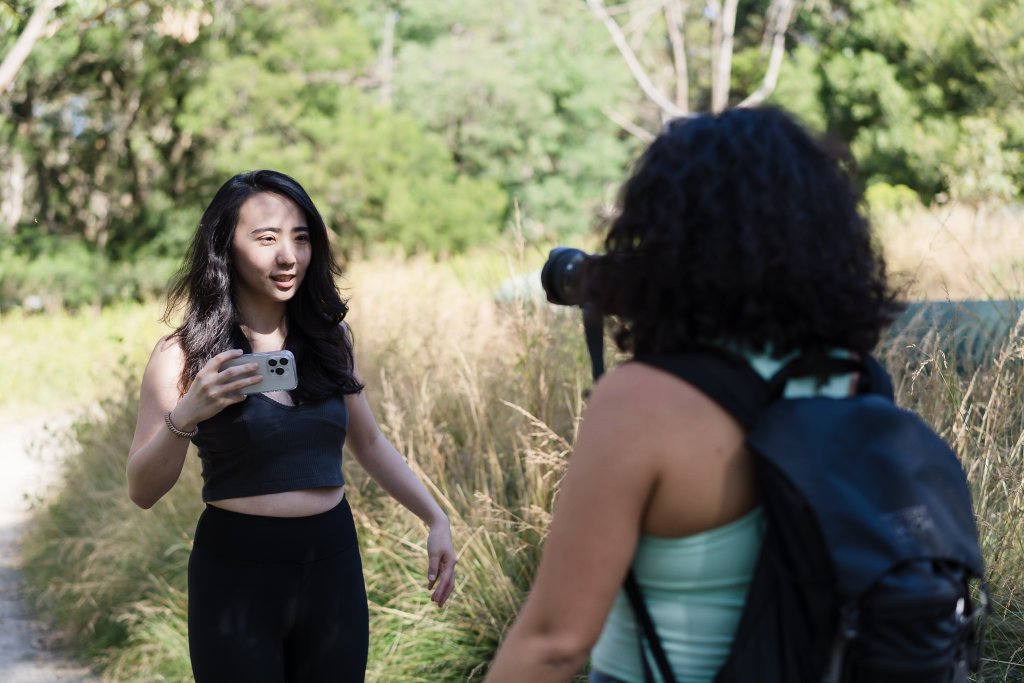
(262, 446)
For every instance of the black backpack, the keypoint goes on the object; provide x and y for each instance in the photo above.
(870, 552)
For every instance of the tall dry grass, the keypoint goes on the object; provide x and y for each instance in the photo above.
(956, 252)
(979, 409)
(483, 398)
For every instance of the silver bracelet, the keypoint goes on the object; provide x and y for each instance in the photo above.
(178, 432)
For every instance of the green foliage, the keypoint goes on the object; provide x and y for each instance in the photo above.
(376, 175)
(519, 92)
(799, 88)
(906, 82)
(888, 205)
(70, 360)
(982, 168)
(129, 113)
(68, 273)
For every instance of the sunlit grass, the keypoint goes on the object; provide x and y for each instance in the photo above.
(956, 252)
(979, 411)
(62, 361)
(484, 399)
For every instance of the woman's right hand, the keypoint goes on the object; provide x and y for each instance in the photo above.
(213, 390)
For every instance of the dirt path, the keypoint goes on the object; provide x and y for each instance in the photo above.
(27, 463)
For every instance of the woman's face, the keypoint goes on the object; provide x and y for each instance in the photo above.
(271, 249)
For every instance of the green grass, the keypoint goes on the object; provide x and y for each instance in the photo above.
(484, 400)
(67, 361)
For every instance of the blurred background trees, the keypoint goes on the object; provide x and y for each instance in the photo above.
(422, 126)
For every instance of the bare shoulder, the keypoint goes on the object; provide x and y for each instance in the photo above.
(165, 363)
(168, 351)
(644, 410)
(635, 389)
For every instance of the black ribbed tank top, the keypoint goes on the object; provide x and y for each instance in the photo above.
(261, 446)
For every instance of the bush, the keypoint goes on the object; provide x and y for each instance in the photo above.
(68, 274)
(889, 205)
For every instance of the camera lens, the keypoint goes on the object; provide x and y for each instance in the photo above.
(284, 361)
(279, 371)
(272, 362)
(562, 276)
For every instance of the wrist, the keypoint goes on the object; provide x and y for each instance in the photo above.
(438, 520)
(180, 426)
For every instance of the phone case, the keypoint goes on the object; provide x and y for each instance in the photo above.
(276, 367)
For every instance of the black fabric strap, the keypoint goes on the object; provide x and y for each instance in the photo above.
(724, 377)
(593, 332)
(647, 632)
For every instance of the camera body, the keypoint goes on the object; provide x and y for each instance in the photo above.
(563, 283)
(562, 276)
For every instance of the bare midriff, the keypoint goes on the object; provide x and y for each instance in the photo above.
(301, 503)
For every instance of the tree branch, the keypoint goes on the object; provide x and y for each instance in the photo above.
(675, 13)
(636, 131)
(34, 29)
(725, 28)
(387, 58)
(780, 15)
(649, 88)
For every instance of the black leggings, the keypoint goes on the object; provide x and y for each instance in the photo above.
(277, 599)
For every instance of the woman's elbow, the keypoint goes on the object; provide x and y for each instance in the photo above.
(140, 498)
(563, 646)
(138, 493)
(567, 652)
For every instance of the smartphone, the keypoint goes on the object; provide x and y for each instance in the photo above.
(276, 367)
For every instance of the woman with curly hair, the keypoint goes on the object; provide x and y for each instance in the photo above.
(736, 231)
(275, 584)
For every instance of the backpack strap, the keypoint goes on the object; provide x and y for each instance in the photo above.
(647, 632)
(728, 380)
(724, 377)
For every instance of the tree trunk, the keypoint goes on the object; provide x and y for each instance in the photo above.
(12, 204)
(721, 53)
(33, 30)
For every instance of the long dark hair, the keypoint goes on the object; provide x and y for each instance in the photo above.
(740, 227)
(323, 352)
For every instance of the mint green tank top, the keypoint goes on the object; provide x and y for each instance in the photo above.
(695, 586)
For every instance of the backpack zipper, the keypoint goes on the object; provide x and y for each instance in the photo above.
(849, 615)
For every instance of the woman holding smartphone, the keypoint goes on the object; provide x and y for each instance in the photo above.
(275, 585)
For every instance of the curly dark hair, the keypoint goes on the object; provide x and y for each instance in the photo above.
(204, 288)
(740, 227)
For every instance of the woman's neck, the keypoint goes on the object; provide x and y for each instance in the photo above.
(265, 328)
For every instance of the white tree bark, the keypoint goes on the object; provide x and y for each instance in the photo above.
(780, 15)
(650, 89)
(721, 52)
(675, 21)
(387, 58)
(12, 203)
(638, 17)
(22, 48)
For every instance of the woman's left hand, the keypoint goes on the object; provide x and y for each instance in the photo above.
(441, 570)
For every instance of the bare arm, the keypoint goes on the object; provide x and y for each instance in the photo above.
(590, 544)
(641, 433)
(157, 456)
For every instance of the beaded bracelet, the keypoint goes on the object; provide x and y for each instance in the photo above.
(178, 432)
